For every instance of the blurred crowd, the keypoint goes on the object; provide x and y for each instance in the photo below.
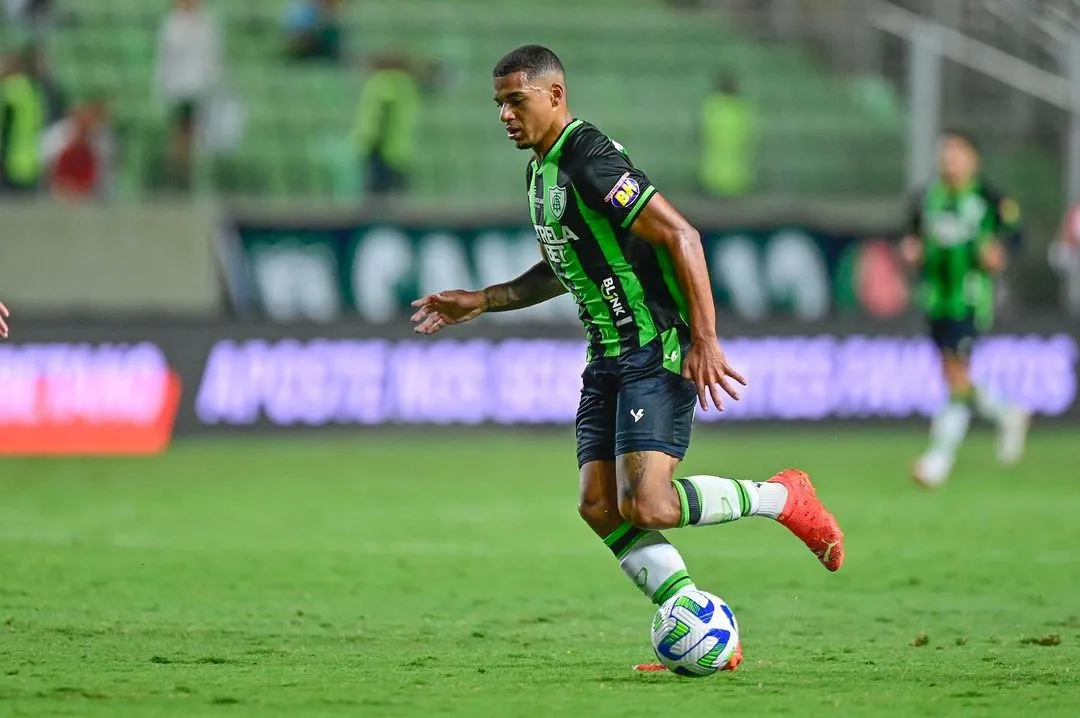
(73, 147)
(70, 147)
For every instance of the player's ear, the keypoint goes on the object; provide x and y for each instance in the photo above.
(558, 94)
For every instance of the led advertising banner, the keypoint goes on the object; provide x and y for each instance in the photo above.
(125, 389)
(534, 381)
(64, 398)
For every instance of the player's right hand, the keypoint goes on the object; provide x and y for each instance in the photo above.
(442, 309)
(3, 325)
(911, 251)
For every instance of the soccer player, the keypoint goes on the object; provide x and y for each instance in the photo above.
(958, 234)
(636, 269)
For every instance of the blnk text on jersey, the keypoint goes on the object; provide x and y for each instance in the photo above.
(583, 197)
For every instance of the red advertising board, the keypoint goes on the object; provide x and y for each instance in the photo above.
(82, 399)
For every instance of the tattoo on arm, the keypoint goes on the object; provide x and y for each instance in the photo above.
(539, 284)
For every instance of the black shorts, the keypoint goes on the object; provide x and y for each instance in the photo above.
(638, 401)
(954, 335)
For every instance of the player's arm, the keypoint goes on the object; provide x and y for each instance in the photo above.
(1003, 237)
(539, 284)
(661, 224)
(911, 244)
(3, 323)
(441, 309)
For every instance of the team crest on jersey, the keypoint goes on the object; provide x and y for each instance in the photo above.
(625, 191)
(557, 201)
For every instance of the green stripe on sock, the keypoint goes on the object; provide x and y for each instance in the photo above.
(744, 497)
(675, 583)
(623, 539)
(617, 534)
(684, 505)
(633, 539)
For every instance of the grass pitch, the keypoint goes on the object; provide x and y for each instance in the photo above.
(447, 574)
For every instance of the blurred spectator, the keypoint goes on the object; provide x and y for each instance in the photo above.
(1064, 257)
(385, 124)
(729, 134)
(188, 70)
(22, 119)
(80, 151)
(313, 30)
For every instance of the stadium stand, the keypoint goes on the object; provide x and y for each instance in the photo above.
(638, 70)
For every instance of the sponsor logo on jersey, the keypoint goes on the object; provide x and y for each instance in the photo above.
(557, 201)
(608, 289)
(552, 241)
(625, 191)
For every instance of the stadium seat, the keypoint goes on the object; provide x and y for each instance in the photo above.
(813, 125)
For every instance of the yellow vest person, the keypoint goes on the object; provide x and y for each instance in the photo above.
(22, 120)
(385, 125)
(729, 134)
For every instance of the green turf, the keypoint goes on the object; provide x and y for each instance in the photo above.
(448, 574)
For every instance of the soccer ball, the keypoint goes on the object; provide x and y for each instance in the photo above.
(694, 633)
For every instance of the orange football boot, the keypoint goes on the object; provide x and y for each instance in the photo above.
(806, 517)
(731, 665)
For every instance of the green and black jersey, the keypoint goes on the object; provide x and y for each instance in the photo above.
(955, 225)
(583, 197)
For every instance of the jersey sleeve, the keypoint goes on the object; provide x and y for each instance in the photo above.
(608, 182)
(1007, 226)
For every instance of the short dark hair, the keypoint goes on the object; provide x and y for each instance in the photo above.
(531, 59)
(964, 135)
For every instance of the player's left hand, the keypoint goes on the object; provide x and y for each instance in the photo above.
(706, 366)
(3, 325)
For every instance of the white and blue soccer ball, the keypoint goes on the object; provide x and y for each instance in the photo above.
(694, 633)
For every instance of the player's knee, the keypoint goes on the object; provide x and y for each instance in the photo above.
(591, 509)
(649, 513)
(598, 514)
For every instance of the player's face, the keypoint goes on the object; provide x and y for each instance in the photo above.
(958, 160)
(526, 108)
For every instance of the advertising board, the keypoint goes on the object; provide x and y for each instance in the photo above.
(126, 388)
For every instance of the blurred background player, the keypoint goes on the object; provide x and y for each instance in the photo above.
(637, 271)
(959, 235)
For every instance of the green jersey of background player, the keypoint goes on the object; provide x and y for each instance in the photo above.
(636, 269)
(956, 235)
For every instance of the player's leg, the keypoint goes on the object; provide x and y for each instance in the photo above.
(645, 556)
(653, 426)
(1011, 420)
(950, 425)
(955, 340)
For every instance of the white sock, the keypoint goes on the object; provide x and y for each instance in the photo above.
(650, 561)
(715, 500)
(949, 427)
(991, 406)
